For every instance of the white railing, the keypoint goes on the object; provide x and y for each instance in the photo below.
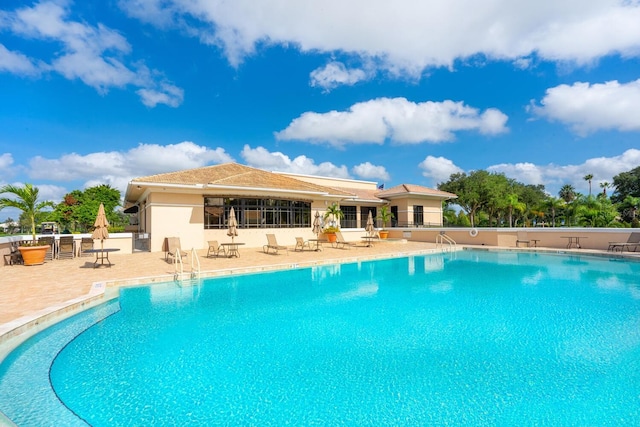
(178, 266)
(442, 238)
(195, 264)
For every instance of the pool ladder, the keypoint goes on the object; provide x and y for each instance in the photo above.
(178, 266)
(442, 239)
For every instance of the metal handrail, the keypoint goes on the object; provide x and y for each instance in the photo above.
(195, 269)
(442, 238)
(177, 262)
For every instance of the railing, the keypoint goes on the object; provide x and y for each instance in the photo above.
(442, 238)
(195, 264)
(178, 266)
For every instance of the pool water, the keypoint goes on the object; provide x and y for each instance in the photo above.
(474, 338)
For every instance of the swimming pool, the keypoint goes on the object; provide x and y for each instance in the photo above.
(469, 338)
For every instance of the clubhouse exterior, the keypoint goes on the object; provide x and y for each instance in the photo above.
(194, 205)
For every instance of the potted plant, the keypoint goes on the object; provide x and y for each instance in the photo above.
(26, 200)
(385, 215)
(334, 214)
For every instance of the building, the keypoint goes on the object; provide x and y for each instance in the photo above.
(194, 204)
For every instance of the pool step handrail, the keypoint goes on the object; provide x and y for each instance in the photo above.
(178, 266)
(442, 238)
(195, 264)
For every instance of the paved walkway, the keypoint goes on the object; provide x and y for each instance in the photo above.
(27, 291)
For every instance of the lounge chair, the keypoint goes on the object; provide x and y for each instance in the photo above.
(65, 247)
(301, 244)
(214, 249)
(272, 243)
(172, 247)
(632, 241)
(341, 243)
(86, 244)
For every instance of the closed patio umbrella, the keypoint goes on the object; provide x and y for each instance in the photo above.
(369, 228)
(233, 224)
(317, 228)
(100, 230)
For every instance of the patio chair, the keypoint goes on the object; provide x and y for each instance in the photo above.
(272, 243)
(14, 257)
(214, 249)
(301, 244)
(524, 238)
(49, 242)
(65, 247)
(632, 241)
(172, 248)
(341, 243)
(86, 244)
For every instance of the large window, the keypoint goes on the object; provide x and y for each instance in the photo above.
(350, 219)
(257, 213)
(418, 215)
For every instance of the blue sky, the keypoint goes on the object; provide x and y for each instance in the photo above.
(392, 92)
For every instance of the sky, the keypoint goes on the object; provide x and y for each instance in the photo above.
(408, 91)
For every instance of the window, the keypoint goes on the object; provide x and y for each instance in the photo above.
(394, 218)
(256, 213)
(350, 219)
(418, 215)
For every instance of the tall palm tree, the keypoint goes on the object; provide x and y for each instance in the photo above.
(567, 193)
(512, 203)
(26, 200)
(588, 178)
(604, 186)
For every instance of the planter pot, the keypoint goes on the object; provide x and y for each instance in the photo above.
(331, 237)
(383, 234)
(33, 255)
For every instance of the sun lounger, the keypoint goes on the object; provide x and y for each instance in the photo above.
(272, 243)
(341, 243)
(632, 242)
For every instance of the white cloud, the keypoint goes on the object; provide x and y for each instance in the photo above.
(555, 176)
(588, 108)
(261, 158)
(118, 168)
(335, 74)
(367, 170)
(16, 63)
(6, 160)
(439, 169)
(396, 119)
(93, 54)
(408, 36)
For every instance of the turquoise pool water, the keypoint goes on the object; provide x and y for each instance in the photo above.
(475, 338)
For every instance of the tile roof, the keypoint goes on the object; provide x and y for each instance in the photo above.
(236, 175)
(404, 189)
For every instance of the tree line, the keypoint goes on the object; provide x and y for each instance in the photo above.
(76, 212)
(493, 200)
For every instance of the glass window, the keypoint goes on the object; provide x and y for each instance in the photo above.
(418, 215)
(349, 220)
(257, 213)
(364, 215)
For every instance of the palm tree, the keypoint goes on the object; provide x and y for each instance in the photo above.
(567, 193)
(512, 203)
(554, 204)
(604, 186)
(385, 215)
(335, 214)
(26, 200)
(588, 178)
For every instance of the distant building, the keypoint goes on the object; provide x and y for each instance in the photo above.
(194, 204)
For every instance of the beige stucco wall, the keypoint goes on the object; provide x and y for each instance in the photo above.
(336, 182)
